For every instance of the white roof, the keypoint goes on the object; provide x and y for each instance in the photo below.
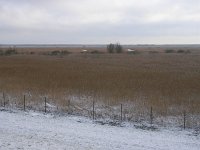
(130, 50)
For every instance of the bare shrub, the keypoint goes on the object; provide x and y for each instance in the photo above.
(170, 51)
(118, 48)
(110, 48)
(10, 51)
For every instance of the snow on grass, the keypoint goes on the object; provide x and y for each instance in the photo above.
(37, 131)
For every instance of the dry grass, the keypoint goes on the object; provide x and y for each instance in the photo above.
(168, 82)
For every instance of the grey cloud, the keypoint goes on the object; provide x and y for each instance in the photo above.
(79, 21)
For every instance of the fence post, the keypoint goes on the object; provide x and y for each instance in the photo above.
(121, 113)
(4, 100)
(93, 117)
(151, 116)
(68, 106)
(184, 119)
(45, 104)
(24, 103)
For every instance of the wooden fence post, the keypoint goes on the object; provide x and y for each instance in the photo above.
(45, 104)
(121, 113)
(68, 106)
(93, 115)
(24, 103)
(151, 116)
(184, 119)
(4, 100)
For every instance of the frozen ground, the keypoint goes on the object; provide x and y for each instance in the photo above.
(37, 131)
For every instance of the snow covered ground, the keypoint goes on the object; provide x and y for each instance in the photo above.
(37, 131)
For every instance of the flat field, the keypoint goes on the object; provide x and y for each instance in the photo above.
(169, 82)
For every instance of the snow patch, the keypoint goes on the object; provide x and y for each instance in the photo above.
(34, 130)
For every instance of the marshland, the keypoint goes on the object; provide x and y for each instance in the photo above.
(169, 82)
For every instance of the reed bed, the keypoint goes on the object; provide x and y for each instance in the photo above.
(170, 83)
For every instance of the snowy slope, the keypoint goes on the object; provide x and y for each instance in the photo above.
(37, 131)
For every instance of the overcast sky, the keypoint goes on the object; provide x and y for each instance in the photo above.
(99, 21)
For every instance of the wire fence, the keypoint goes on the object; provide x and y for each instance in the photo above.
(101, 113)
